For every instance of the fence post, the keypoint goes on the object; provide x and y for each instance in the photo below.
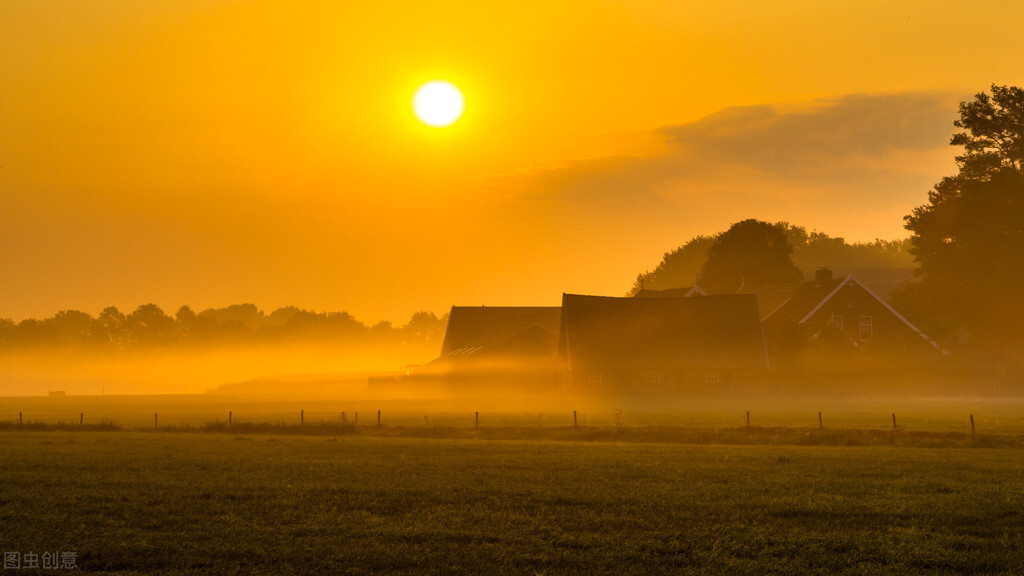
(378, 417)
(820, 424)
(81, 418)
(575, 423)
(229, 417)
(972, 426)
(477, 424)
(156, 421)
(748, 418)
(894, 421)
(19, 418)
(302, 417)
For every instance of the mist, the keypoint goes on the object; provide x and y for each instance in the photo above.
(192, 371)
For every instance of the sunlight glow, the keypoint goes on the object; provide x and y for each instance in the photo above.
(438, 103)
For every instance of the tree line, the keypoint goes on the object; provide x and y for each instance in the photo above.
(966, 244)
(148, 326)
(761, 244)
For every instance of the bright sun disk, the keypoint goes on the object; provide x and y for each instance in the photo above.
(438, 103)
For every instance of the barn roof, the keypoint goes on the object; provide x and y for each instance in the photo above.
(668, 332)
(505, 329)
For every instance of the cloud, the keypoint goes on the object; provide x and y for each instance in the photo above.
(875, 142)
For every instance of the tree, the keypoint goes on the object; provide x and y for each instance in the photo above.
(7, 331)
(994, 140)
(70, 327)
(425, 327)
(681, 267)
(185, 320)
(968, 240)
(678, 268)
(109, 327)
(749, 252)
(149, 325)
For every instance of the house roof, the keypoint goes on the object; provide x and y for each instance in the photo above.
(812, 296)
(804, 297)
(771, 296)
(663, 331)
(501, 329)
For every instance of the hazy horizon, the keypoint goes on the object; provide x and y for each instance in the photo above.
(164, 153)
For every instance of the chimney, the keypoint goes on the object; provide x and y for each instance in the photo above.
(822, 275)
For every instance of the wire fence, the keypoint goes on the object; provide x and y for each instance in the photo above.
(1010, 422)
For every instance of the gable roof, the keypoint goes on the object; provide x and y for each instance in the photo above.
(805, 296)
(813, 295)
(472, 329)
(667, 332)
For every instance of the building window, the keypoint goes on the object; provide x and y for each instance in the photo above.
(594, 377)
(836, 320)
(867, 327)
(653, 377)
(712, 377)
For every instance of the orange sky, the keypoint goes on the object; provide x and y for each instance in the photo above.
(212, 152)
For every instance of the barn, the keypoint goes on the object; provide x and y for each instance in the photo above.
(486, 347)
(661, 345)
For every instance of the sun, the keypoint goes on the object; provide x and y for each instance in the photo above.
(438, 103)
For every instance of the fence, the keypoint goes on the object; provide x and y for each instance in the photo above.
(614, 418)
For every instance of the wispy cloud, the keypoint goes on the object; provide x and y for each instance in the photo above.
(842, 144)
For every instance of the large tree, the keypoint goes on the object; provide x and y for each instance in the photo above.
(968, 240)
(681, 267)
(678, 268)
(749, 252)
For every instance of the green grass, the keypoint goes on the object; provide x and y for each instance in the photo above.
(145, 503)
(745, 435)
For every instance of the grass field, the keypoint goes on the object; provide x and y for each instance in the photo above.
(150, 503)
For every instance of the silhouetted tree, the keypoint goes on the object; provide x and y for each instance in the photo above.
(7, 331)
(678, 268)
(31, 331)
(425, 327)
(109, 327)
(750, 252)
(237, 322)
(343, 325)
(994, 138)
(383, 332)
(968, 240)
(148, 325)
(275, 324)
(186, 320)
(244, 316)
(811, 250)
(70, 327)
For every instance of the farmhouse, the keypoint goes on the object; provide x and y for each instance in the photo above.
(504, 345)
(661, 344)
(842, 307)
(676, 341)
(824, 307)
